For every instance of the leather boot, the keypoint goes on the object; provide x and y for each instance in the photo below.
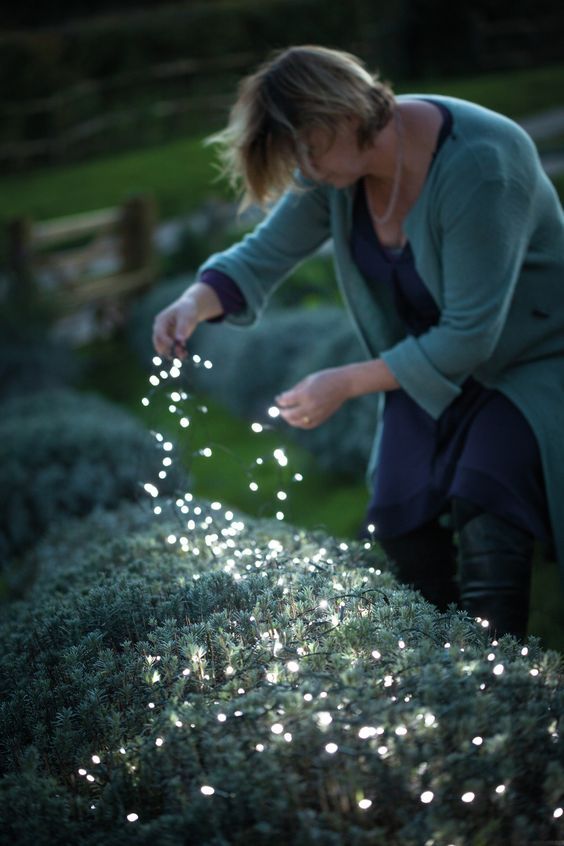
(425, 559)
(495, 559)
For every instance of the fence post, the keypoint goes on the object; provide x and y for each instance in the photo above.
(137, 226)
(19, 255)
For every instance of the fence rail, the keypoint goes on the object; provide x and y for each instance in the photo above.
(119, 240)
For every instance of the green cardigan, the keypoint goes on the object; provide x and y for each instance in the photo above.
(487, 235)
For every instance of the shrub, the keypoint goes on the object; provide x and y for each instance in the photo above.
(30, 360)
(253, 364)
(61, 453)
(234, 670)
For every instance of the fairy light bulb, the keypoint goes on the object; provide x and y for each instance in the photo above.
(274, 412)
(427, 796)
(132, 817)
(207, 790)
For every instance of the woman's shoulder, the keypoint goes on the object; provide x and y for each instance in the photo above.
(487, 143)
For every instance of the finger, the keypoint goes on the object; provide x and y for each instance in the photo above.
(288, 398)
(297, 417)
(184, 328)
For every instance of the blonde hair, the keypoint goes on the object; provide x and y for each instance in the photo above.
(298, 89)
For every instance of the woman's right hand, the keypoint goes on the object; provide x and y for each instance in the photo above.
(174, 324)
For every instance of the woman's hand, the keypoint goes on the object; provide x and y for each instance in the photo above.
(313, 400)
(174, 325)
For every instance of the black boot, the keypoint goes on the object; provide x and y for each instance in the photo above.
(426, 560)
(495, 560)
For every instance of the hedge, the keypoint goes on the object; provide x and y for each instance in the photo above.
(64, 453)
(280, 689)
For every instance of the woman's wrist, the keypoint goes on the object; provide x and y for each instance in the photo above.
(205, 299)
(367, 377)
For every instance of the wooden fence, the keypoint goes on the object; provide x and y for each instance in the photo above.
(97, 258)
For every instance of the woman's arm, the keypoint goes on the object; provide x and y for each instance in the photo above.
(294, 229)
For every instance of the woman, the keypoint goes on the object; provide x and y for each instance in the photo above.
(449, 251)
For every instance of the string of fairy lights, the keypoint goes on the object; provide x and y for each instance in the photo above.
(178, 397)
(282, 670)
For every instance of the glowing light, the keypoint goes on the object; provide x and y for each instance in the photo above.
(207, 364)
(206, 452)
(222, 717)
(427, 796)
(558, 813)
(429, 719)
(468, 797)
(159, 741)
(376, 654)
(364, 804)
(293, 666)
(279, 515)
(154, 380)
(184, 422)
(171, 539)
(132, 817)
(151, 489)
(95, 759)
(167, 446)
(298, 477)
(145, 401)
(157, 361)
(256, 427)
(82, 772)
(477, 741)
(280, 457)
(401, 730)
(273, 411)
(196, 359)
(277, 728)
(331, 748)
(498, 669)
(308, 697)
(253, 486)
(533, 672)
(282, 495)
(500, 788)
(324, 718)
(288, 737)
(259, 747)
(367, 731)
(484, 624)
(382, 750)
(207, 790)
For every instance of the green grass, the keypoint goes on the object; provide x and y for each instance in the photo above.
(179, 175)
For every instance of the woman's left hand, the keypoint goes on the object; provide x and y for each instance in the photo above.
(313, 400)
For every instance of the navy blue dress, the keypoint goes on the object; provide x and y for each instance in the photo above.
(481, 447)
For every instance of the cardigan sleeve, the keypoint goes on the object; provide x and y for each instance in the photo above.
(294, 229)
(484, 241)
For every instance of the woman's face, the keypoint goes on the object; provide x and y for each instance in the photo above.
(334, 160)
